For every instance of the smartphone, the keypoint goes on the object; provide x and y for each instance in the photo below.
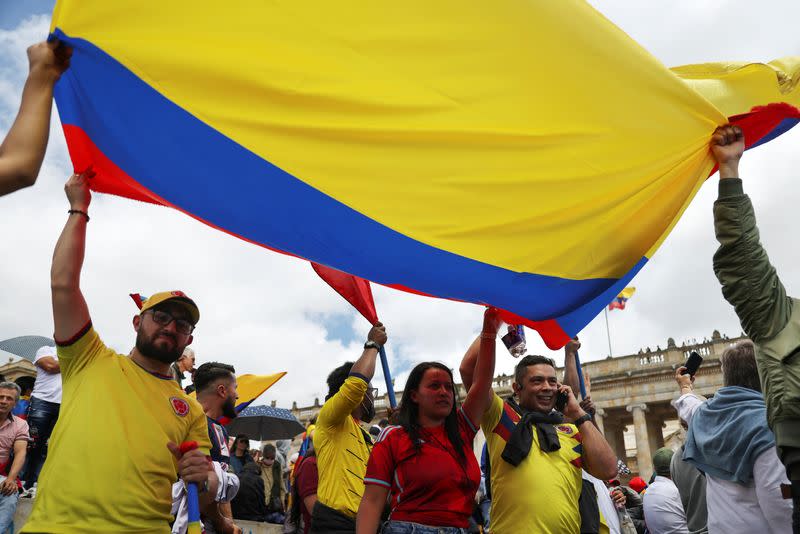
(692, 364)
(561, 401)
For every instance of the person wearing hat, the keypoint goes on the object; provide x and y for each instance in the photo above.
(127, 410)
(638, 485)
(663, 511)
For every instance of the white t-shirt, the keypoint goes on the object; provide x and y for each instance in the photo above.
(48, 385)
(663, 510)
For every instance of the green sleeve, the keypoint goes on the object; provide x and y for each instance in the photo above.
(749, 282)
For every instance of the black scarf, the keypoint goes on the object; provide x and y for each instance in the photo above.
(521, 439)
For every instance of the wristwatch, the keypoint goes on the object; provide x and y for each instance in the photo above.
(582, 419)
(372, 345)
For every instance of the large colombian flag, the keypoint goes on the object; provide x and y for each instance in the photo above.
(525, 155)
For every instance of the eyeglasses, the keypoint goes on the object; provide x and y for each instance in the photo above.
(163, 318)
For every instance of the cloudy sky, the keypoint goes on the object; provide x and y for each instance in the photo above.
(264, 312)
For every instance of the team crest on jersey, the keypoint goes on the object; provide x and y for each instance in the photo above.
(180, 406)
(564, 429)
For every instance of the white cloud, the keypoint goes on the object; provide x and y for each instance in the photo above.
(266, 312)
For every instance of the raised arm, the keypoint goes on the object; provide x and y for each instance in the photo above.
(479, 395)
(467, 367)
(598, 457)
(365, 365)
(688, 402)
(339, 407)
(570, 367)
(22, 151)
(749, 282)
(70, 313)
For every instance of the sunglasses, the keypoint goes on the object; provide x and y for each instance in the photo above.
(163, 318)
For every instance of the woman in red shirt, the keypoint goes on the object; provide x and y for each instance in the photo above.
(426, 462)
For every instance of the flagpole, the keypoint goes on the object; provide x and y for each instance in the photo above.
(608, 332)
(581, 383)
(387, 375)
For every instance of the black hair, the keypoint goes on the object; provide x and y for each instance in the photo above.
(409, 411)
(25, 383)
(531, 359)
(269, 448)
(337, 377)
(236, 441)
(739, 366)
(208, 373)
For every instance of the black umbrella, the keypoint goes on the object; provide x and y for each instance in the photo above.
(25, 346)
(262, 423)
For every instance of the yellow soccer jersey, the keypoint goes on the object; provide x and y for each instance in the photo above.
(341, 448)
(108, 468)
(540, 494)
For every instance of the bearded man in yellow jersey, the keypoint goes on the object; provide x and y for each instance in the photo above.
(128, 410)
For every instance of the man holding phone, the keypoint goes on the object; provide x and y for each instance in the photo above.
(536, 456)
(728, 440)
(768, 315)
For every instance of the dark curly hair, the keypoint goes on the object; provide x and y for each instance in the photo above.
(337, 377)
(409, 410)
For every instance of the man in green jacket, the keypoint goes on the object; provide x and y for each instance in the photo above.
(769, 317)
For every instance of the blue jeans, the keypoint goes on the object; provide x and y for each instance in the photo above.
(485, 506)
(405, 527)
(8, 505)
(276, 518)
(42, 417)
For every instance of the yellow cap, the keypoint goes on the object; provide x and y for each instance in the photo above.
(145, 303)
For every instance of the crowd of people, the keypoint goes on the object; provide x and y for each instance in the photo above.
(545, 468)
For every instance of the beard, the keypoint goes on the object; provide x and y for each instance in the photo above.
(229, 408)
(149, 349)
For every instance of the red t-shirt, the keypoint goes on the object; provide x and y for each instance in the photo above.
(433, 487)
(307, 480)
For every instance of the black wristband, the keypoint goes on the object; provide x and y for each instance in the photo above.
(81, 212)
(582, 419)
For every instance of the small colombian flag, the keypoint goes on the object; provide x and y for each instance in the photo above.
(619, 302)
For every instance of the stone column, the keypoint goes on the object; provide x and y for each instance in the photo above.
(615, 436)
(598, 419)
(643, 455)
(655, 432)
